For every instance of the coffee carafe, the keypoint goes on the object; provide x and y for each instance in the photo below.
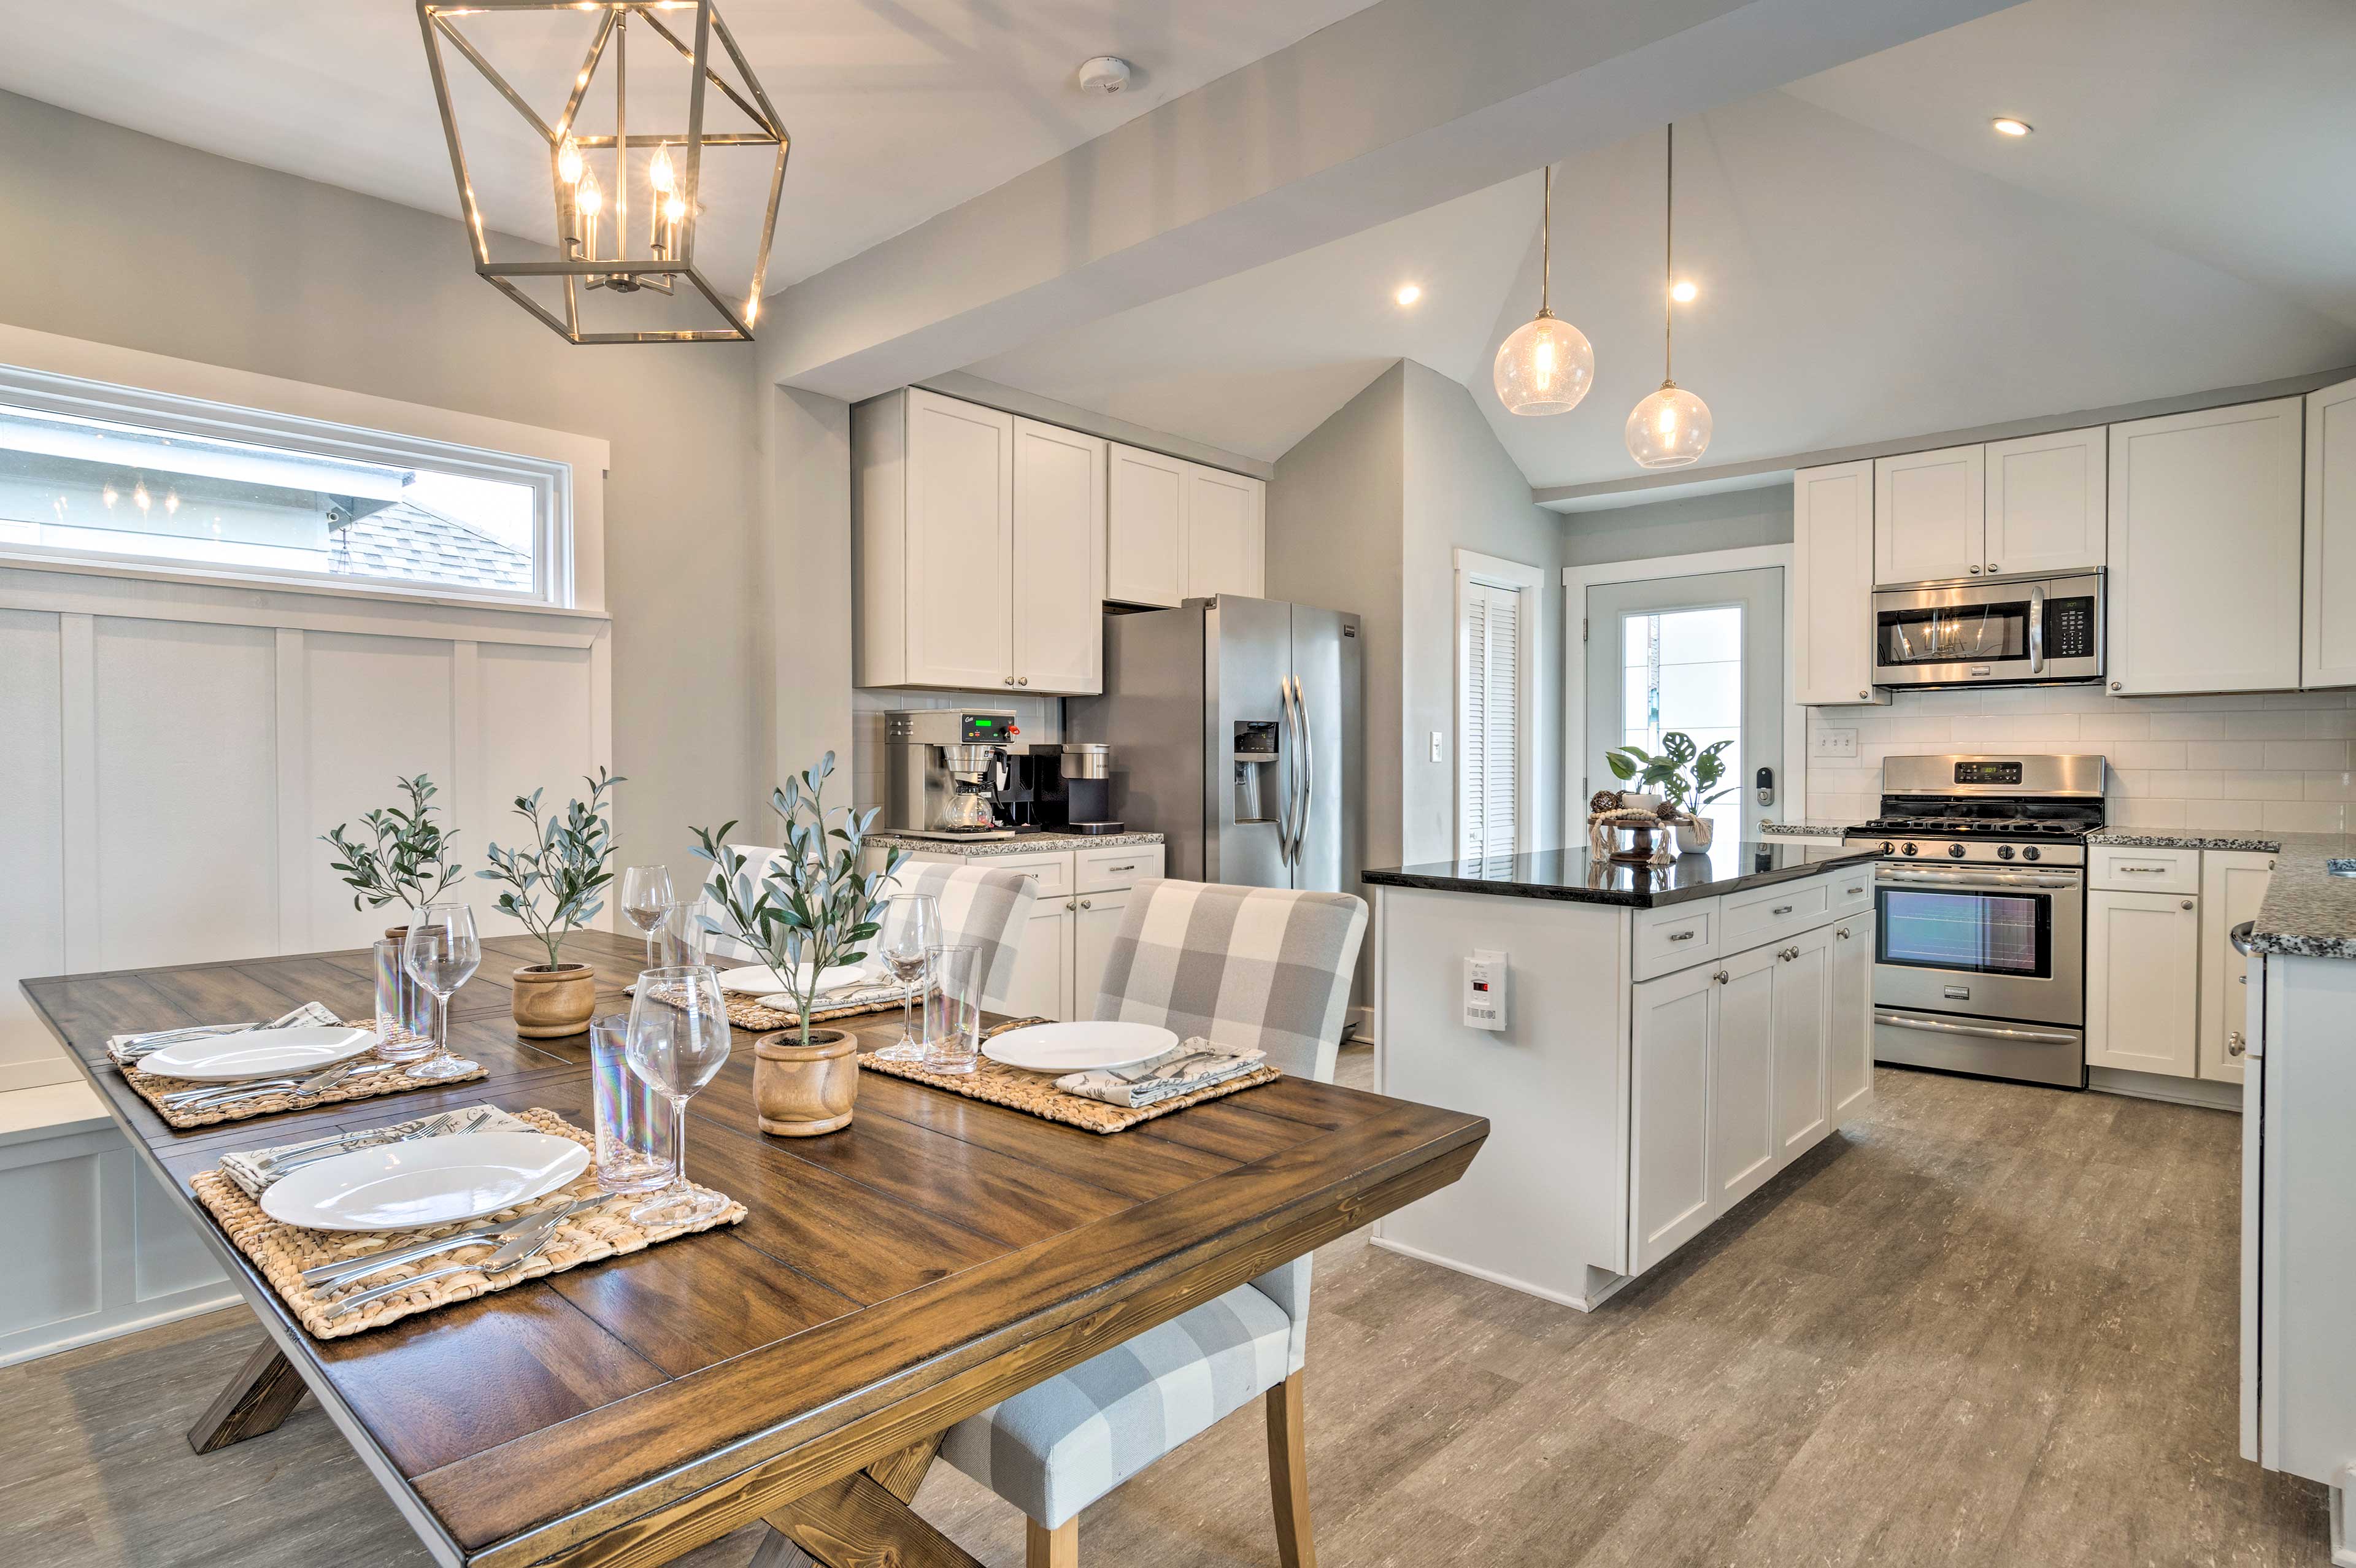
(977, 773)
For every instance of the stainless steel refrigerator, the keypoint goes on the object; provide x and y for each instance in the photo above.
(1235, 731)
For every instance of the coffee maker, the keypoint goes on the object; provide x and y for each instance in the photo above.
(945, 768)
(1055, 787)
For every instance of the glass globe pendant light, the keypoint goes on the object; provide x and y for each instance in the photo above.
(1671, 428)
(1545, 364)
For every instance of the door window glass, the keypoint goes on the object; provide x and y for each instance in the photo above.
(1682, 669)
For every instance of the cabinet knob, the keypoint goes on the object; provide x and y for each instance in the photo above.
(1022, 680)
(1087, 903)
(2188, 903)
(2115, 685)
(1010, 681)
(2234, 1046)
(1841, 931)
(1071, 904)
(1865, 695)
(1991, 567)
(1975, 572)
(1719, 978)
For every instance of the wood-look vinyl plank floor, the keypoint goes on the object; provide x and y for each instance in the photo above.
(1987, 1325)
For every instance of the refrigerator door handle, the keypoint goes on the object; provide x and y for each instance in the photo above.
(1308, 773)
(1286, 742)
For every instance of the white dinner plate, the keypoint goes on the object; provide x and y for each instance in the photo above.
(759, 979)
(1078, 1046)
(427, 1182)
(258, 1054)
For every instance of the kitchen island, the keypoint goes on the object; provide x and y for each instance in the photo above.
(1654, 1044)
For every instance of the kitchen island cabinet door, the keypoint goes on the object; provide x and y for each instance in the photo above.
(1802, 1033)
(1670, 1198)
(1849, 1067)
(2233, 886)
(1744, 1150)
(2143, 968)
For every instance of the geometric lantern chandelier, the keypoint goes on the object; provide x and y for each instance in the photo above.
(628, 198)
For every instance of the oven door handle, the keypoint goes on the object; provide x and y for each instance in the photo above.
(1977, 1031)
(1933, 879)
(2037, 630)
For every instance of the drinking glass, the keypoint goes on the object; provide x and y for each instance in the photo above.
(953, 1011)
(677, 938)
(645, 891)
(443, 952)
(911, 930)
(676, 1045)
(633, 1125)
(404, 1010)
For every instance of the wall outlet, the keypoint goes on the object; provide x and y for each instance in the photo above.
(1831, 742)
(1437, 741)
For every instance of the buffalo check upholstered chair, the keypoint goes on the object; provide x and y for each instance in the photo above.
(1242, 966)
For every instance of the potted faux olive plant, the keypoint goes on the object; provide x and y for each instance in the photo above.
(408, 859)
(1681, 774)
(566, 864)
(808, 912)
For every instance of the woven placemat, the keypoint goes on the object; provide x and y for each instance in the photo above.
(152, 1086)
(1035, 1094)
(748, 1014)
(283, 1252)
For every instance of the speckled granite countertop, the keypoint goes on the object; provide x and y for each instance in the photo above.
(1804, 829)
(2307, 911)
(1021, 844)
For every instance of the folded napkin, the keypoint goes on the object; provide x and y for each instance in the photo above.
(1189, 1065)
(128, 1049)
(855, 995)
(251, 1168)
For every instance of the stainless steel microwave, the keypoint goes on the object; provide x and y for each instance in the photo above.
(1989, 631)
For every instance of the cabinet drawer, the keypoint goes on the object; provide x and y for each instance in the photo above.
(1849, 890)
(1669, 939)
(1766, 913)
(2129, 870)
(1098, 871)
(1052, 872)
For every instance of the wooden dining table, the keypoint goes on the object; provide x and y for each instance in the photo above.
(893, 1278)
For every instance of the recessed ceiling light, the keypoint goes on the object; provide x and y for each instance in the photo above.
(1408, 294)
(2006, 126)
(1684, 292)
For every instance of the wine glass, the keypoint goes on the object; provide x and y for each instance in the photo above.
(676, 1044)
(677, 940)
(911, 930)
(645, 891)
(442, 953)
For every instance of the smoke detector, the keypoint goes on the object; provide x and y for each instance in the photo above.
(1106, 74)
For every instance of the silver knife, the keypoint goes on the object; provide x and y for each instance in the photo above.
(329, 1277)
(225, 1094)
(522, 1247)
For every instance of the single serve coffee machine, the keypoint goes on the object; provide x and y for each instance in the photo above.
(945, 769)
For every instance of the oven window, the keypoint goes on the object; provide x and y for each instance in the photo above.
(1977, 633)
(1982, 932)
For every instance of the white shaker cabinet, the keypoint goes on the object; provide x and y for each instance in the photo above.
(1669, 1143)
(1848, 1049)
(1832, 560)
(2047, 502)
(2143, 969)
(2205, 550)
(1929, 516)
(1059, 543)
(2328, 653)
(1743, 1147)
(1177, 531)
(1803, 992)
(1041, 987)
(1225, 533)
(2233, 886)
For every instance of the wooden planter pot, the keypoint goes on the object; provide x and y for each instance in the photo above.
(551, 1002)
(802, 1091)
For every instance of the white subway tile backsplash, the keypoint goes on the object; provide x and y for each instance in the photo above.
(2280, 724)
(2306, 817)
(2327, 756)
(2145, 753)
(2146, 813)
(2096, 727)
(2219, 753)
(2186, 726)
(2307, 700)
(2017, 732)
(2330, 724)
(2228, 816)
(2331, 787)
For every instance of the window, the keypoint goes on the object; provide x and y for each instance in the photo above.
(1682, 669)
(90, 472)
(1495, 664)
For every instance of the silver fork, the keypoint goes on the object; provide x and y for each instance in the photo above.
(513, 1255)
(425, 1129)
(438, 1119)
(221, 1093)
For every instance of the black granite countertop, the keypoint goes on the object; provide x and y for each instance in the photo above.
(1573, 876)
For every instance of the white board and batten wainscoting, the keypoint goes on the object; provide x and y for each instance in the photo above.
(175, 743)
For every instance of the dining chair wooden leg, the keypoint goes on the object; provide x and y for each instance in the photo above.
(1288, 1474)
(264, 1392)
(1056, 1548)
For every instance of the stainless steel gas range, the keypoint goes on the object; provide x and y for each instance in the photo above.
(1980, 913)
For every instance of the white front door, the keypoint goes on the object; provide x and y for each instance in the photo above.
(1701, 654)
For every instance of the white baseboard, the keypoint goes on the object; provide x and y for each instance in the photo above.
(2207, 1093)
(1596, 1296)
(62, 1338)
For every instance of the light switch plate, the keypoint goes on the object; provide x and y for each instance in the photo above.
(1831, 742)
(1438, 742)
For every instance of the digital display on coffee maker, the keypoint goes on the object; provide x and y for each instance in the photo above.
(988, 726)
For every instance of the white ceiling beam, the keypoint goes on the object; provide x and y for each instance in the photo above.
(1392, 110)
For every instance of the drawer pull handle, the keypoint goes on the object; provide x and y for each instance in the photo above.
(1130, 867)
(1780, 909)
(1852, 892)
(1681, 935)
(2142, 870)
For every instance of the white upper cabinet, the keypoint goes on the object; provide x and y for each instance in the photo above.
(1832, 631)
(1179, 530)
(1059, 533)
(2205, 549)
(979, 541)
(1225, 533)
(2328, 655)
(2047, 508)
(1929, 515)
(1145, 537)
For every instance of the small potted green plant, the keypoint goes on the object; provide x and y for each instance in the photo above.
(1683, 776)
(405, 859)
(810, 910)
(554, 885)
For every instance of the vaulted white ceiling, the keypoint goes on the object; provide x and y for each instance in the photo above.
(1874, 262)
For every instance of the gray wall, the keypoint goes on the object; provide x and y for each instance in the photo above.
(1732, 519)
(124, 238)
(1336, 514)
(1464, 492)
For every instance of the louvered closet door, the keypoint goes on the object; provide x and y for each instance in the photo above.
(1491, 726)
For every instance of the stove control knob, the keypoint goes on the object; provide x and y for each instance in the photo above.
(1909, 850)
(2029, 853)
(1888, 847)
(1955, 851)
(2004, 852)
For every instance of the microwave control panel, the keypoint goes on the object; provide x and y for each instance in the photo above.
(2070, 629)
